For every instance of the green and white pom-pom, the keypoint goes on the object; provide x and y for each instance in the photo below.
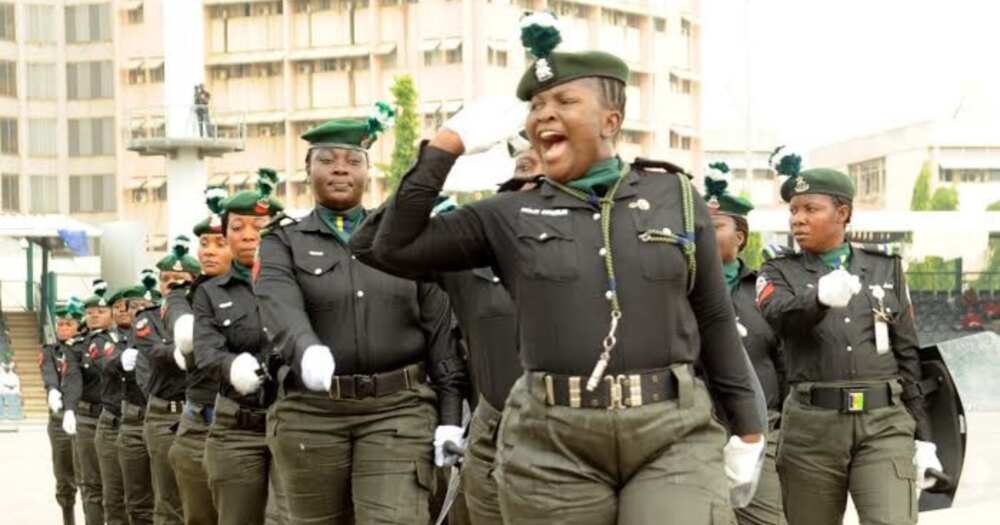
(267, 181)
(539, 33)
(99, 287)
(74, 306)
(718, 171)
(213, 199)
(789, 165)
(148, 279)
(181, 247)
(381, 118)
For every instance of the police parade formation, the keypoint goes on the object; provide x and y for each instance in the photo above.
(586, 346)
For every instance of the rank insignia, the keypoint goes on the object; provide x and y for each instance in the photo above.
(801, 185)
(640, 203)
(142, 328)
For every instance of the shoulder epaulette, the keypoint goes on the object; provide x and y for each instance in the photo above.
(280, 220)
(775, 251)
(644, 164)
(889, 249)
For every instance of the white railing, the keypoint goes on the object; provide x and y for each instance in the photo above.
(185, 123)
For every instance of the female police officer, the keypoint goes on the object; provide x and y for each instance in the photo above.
(358, 442)
(843, 316)
(618, 290)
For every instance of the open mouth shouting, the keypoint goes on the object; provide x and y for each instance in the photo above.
(552, 145)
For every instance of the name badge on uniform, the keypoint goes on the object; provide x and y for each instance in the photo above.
(882, 318)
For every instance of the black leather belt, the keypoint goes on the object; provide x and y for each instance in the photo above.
(162, 405)
(88, 409)
(249, 419)
(620, 391)
(377, 385)
(851, 399)
(132, 414)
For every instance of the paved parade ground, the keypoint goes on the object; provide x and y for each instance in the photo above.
(27, 486)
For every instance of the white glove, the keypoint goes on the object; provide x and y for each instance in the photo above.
(743, 462)
(488, 121)
(926, 458)
(837, 287)
(69, 423)
(243, 374)
(55, 400)
(184, 333)
(179, 358)
(317, 368)
(443, 434)
(128, 359)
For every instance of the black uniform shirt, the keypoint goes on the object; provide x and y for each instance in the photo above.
(546, 246)
(201, 385)
(760, 342)
(313, 291)
(162, 377)
(54, 365)
(226, 324)
(83, 380)
(105, 349)
(824, 344)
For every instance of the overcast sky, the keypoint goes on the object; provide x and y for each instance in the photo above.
(825, 70)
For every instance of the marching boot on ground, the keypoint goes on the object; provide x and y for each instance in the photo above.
(618, 290)
(230, 343)
(357, 425)
(729, 215)
(188, 448)
(54, 362)
(855, 408)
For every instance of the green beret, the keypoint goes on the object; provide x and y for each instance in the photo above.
(214, 196)
(178, 260)
(825, 181)
(146, 289)
(258, 201)
(717, 196)
(352, 133)
(540, 36)
(99, 292)
(73, 309)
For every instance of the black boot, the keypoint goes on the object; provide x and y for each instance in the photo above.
(69, 518)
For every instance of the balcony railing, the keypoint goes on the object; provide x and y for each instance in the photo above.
(163, 130)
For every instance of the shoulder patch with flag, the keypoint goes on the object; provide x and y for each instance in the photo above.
(764, 289)
(142, 328)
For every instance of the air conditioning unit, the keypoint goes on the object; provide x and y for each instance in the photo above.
(305, 68)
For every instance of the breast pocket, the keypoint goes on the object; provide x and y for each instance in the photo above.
(547, 247)
(228, 316)
(313, 262)
(661, 255)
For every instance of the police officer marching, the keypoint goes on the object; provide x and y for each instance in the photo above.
(353, 427)
(188, 448)
(53, 361)
(229, 343)
(732, 232)
(618, 289)
(854, 421)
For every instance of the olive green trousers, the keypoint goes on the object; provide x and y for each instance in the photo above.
(481, 495)
(134, 458)
(186, 455)
(158, 431)
(765, 508)
(64, 462)
(89, 474)
(112, 485)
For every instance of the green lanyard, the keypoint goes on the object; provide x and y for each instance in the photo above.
(605, 204)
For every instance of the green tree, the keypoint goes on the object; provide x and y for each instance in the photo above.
(753, 254)
(944, 199)
(932, 273)
(407, 130)
(921, 200)
(994, 207)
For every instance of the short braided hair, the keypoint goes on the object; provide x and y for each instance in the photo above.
(612, 95)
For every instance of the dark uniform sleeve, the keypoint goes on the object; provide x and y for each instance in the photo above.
(178, 305)
(780, 368)
(446, 367)
(362, 244)
(409, 238)
(905, 348)
(209, 342)
(72, 385)
(728, 370)
(783, 308)
(142, 370)
(282, 307)
(50, 376)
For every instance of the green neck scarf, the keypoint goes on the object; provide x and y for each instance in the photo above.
(342, 223)
(599, 177)
(240, 271)
(839, 257)
(731, 271)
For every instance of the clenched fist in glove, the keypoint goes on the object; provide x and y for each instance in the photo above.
(743, 462)
(317, 368)
(55, 400)
(836, 288)
(926, 458)
(128, 359)
(69, 423)
(442, 435)
(487, 121)
(243, 374)
(184, 333)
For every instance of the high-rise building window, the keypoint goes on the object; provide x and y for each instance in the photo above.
(88, 23)
(91, 193)
(8, 136)
(41, 25)
(44, 193)
(41, 81)
(42, 137)
(869, 178)
(496, 57)
(10, 188)
(91, 137)
(89, 80)
(454, 55)
(7, 24)
(137, 14)
(8, 78)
